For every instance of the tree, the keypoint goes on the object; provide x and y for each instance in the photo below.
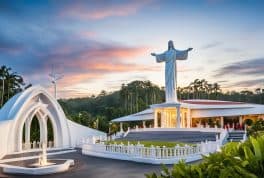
(11, 83)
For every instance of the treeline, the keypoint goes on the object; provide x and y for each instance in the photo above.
(97, 111)
(202, 89)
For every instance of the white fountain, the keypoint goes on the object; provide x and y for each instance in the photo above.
(42, 167)
(42, 161)
(43, 157)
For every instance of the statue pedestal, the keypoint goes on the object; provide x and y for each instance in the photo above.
(167, 115)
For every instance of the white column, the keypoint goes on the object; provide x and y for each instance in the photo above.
(121, 127)
(144, 124)
(171, 120)
(189, 118)
(44, 130)
(182, 119)
(240, 120)
(155, 118)
(27, 130)
(178, 125)
(222, 122)
(163, 118)
(41, 130)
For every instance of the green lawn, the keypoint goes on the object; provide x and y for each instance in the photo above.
(149, 143)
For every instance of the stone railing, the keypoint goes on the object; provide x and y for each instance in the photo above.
(92, 140)
(223, 136)
(178, 129)
(152, 155)
(36, 145)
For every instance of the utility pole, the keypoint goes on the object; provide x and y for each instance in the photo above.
(3, 90)
(54, 78)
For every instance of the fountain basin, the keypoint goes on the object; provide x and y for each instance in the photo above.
(36, 165)
(43, 170)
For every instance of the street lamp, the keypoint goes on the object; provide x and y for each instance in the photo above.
(109, 130)
(3, 89)
(54, 78)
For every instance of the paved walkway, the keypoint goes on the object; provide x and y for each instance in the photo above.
(92, 167)
(33, 153)
(32, 156)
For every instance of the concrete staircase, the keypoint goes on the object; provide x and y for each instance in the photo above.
(171, 136)
(236, 136)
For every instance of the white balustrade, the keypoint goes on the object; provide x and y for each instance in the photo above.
(153, 154)
(157, 152)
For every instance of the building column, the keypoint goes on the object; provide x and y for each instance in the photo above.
(178, 125)
(155, 118)
(189, 118)
(27, 133)
(43, 130)
(144, 124)
(182, 120)
(222, 122)
(163, 119)
(240, 120)
(121, 127)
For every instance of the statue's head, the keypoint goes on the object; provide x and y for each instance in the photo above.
(170, 45)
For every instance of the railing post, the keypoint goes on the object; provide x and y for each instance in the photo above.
(158, 152)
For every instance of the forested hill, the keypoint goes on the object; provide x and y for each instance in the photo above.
(97, 111)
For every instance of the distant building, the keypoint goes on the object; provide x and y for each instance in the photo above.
(197, 113)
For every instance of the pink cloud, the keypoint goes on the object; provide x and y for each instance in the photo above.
(91, 64)
(99, 11)
(101, 62)
(88, 34)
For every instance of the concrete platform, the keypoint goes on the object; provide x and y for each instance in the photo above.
(88, 166)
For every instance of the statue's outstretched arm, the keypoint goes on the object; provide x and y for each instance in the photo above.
(182, 54)
(160, 57)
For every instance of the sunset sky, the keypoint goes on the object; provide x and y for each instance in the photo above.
(98, 45)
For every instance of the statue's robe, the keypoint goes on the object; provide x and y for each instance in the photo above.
(170, 57)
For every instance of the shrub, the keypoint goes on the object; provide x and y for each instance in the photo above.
(235, 160)
(257, 128)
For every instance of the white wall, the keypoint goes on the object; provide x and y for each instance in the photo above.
(78, 132)
(4, 130)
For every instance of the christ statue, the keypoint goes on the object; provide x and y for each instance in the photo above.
(169, 57)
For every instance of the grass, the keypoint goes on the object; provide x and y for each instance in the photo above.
(149, 143)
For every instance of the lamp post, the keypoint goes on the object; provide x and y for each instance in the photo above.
(3, 90)
(54, 78)
(109, 130)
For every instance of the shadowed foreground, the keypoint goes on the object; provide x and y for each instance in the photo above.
(87, 166)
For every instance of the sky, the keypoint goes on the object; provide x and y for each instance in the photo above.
(98, 45)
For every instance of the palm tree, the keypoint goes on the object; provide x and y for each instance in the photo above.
(216, 89)
(11, 83)
(209, 90)
(4, 71)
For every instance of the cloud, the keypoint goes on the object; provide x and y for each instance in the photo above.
(232, 50)
(88, 34)
(222, 81)
(103, 9)
(248, 83)
(79, 61)
(212, 45)
(251, 67)
(9, 46)
(32, 46)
